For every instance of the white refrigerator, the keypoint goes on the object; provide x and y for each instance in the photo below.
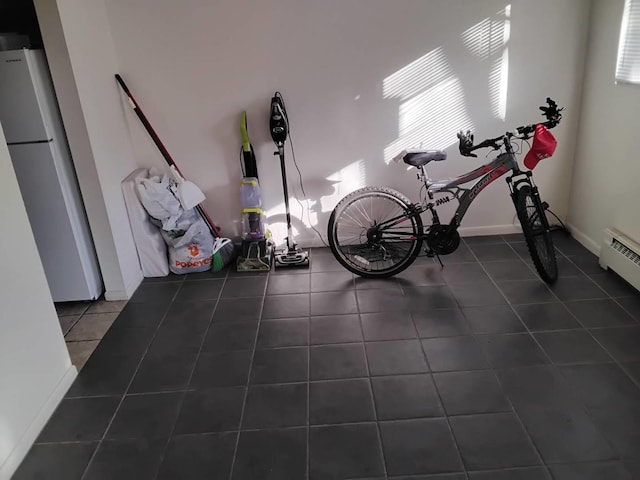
(42, 161)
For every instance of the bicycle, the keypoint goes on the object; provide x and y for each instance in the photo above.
(378, 231)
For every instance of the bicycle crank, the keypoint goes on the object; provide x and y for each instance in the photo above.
(443, 239)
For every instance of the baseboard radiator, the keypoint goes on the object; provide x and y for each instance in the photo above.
(621, 254)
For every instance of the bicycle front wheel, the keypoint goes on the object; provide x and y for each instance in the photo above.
(373, 232)
(536, 233)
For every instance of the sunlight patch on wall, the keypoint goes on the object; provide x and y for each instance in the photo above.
(431, 119)
(345, 181)
(485, 38)
(419, 75)
(433, 107)
(305, 213)
(499, 84)
(488, 40)
(277, 222)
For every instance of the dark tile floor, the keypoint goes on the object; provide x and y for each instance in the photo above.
(477, 371)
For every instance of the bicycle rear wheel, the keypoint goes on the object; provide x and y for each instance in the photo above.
(536, 233)
(374, 233)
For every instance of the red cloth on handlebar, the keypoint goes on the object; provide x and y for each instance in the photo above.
(543, 146)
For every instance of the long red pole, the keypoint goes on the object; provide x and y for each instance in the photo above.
(163, 150)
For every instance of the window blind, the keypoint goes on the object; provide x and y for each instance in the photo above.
(628, 66)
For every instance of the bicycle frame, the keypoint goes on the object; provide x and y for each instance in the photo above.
(378, 232)
(487, 173)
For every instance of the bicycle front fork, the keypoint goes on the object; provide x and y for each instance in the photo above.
(520, 178)
(526, 178)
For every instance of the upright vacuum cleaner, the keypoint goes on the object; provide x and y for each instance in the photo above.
(291, 255)
(256, 251)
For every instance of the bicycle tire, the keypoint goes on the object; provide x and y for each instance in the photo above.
(536, 233)
(355, 251)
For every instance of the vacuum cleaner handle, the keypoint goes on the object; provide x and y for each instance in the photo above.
(278, 121)
(248, 155)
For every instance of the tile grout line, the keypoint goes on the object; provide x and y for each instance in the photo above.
(551, 362)
(135, 394)
(614, 360)
(246, 392)
(511, 403)
(364, 422)
(193, 369)
(133, 376)
(418, 337)
(71, 327)
(308, 452)
(616, 300)
(80, 317)
(345, 423)
(370, 382)
(585, 274)
(489, 363)
(482, 264)
(589, 331)
(308, 445)
(444, 411)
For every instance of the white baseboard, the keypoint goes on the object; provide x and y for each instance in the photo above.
(316, 243)
(11, 464)
(130, 288)
(586, 241)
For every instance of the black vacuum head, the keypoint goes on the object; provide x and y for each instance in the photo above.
(278, 122)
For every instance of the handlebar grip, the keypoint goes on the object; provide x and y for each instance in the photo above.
(526, 129)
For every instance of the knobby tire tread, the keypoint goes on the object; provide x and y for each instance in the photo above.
(521, 209)
(364, 192)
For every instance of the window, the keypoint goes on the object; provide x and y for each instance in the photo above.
(628, 67)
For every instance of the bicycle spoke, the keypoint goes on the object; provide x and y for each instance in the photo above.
(362, 238)
(363, 213)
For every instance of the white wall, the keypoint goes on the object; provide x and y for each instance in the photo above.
(35, 369)
(80, 52)
(605, 186)
(195, 65)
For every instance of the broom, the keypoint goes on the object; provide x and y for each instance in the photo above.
(188, 192)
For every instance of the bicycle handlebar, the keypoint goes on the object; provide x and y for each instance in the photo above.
(550, 111)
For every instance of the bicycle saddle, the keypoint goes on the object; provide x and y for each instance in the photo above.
(418, 158)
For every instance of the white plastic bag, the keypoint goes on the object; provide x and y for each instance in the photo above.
(151, 247)
(189, 241)
(157, 198)
(192, 251)
(182, 224)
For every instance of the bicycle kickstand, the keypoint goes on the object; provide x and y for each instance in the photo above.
(431, 254)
